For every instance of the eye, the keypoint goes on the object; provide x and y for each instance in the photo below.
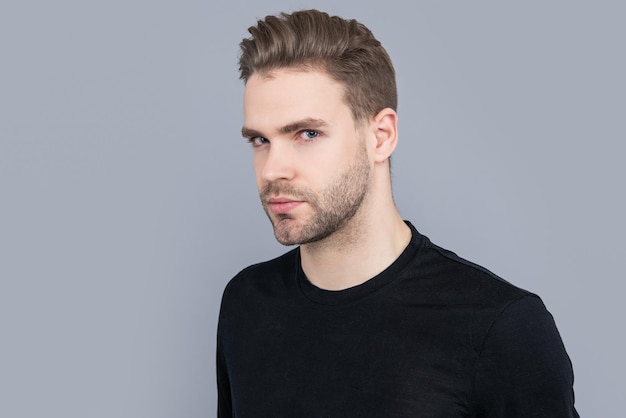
(257, 141)
(309, 134)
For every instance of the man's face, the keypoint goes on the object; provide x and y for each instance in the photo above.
(311, 164)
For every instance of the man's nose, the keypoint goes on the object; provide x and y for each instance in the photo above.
(279, 163)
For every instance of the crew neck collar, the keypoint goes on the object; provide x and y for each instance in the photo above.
(372, 285)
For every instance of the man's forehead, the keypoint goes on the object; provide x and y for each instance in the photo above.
(291, 80)
(290, 97)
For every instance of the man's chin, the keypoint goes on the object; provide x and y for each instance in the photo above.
(286, 232)
(297, 235)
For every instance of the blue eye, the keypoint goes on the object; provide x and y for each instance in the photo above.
(310, 134)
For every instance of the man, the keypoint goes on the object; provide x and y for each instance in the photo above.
(366, 317)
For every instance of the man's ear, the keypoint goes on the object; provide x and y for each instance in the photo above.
(385, 125)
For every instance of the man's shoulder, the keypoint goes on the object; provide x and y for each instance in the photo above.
(468, 290)
(264, 274)
(464, 278)
(286, 261)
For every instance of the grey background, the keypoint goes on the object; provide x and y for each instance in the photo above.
(128, 199)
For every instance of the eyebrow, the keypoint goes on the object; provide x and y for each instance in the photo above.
(308, 123)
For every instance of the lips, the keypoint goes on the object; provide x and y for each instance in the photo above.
(281, 205)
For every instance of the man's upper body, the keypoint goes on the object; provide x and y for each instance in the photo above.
(365, 317)
(431, 336)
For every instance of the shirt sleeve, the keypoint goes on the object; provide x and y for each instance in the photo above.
(523, 368)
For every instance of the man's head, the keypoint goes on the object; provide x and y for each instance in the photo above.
(319, 111)
(312, 40)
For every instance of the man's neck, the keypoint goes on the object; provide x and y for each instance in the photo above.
(356, 253)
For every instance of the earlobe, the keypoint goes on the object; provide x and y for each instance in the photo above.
(386, 133)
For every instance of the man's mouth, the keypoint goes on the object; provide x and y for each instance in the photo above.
(282, 205)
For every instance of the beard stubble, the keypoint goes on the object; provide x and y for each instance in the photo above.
(333, 207)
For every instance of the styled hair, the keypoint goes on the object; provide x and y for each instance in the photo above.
(346, 50)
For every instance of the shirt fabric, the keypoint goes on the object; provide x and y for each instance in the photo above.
(432, 335)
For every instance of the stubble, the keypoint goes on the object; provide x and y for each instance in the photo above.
(334, 207)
